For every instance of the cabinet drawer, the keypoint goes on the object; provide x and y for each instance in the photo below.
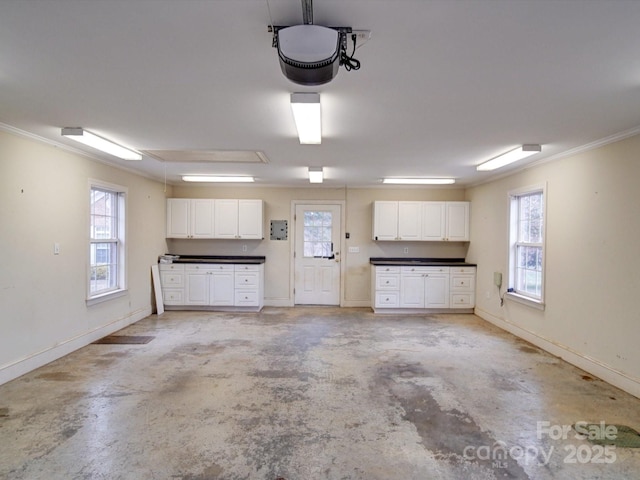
(468, 270)
(247, 268)
(171, 267)
(462, 300)
(173, 296)
(246, 297)
(248, 279)
(387, 282)
(172, 279)
(463, 282)
(410, 270)
(387, 299)
(387, 269)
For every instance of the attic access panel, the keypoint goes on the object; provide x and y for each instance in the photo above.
(208, 156)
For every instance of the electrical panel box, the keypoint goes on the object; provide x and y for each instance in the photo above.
(279, 230)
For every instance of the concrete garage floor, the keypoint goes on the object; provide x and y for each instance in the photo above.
(311, 393)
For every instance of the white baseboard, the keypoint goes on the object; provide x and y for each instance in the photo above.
(31, 362)
(357, 304)
(278, 302)
(593, 366)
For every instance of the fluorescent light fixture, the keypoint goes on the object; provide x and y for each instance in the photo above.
(419, 181)
(315, 175)
(81, 135)
(306, 114)
(512, 156)
(217, 178)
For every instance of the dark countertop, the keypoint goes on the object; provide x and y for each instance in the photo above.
(237, 259)
(420, 262)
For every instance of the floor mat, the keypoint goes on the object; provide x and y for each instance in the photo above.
(124, 340)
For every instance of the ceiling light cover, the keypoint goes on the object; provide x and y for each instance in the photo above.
(419, 181)
(217, 178)
(315, 175)
(306, 114)
(512, 156)
(92, 140)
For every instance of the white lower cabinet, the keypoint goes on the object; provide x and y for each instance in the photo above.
(387, 287)
(247, 285)
(462, 287)
(423, 288)
(212, 285)
(172, 281)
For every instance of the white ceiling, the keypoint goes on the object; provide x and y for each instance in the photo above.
(444, 85)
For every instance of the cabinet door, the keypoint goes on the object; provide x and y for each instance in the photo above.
(412, 290)
(221, 287)
(197, 288)
(409, 221)
(436, 286)
(250, 219)
(433, 221)
(385, 220)
(457, 222)
(178, 218)
(202, 218)
(226, 218)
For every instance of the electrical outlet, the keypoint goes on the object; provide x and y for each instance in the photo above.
(406, 249)
(244, 248)
(362, 36)
(497, 279)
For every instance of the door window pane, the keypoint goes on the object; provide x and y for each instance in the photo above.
(317, 234)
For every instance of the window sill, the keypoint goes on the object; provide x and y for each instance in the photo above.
(105, 297)
(537, 304)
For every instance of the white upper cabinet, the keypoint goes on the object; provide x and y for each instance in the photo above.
(396, 220)
(239, 219)
(421, 221)
(189, 218)
(202, 218)
(409, 222)
(457, 228)
(445, 221)
(214, 218)
(385, 220)
(250, 219)
(226, 219)
(434, 221)
(178, 218)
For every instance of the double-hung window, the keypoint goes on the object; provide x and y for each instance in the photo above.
(106, 241)
(527, 244)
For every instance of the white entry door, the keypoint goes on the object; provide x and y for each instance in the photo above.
(317, 255)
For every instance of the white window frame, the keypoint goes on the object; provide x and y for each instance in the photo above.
(120, 241)
(514, 292)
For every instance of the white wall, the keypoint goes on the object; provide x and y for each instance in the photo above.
(358, 221)
(592, 267)
(44, 200)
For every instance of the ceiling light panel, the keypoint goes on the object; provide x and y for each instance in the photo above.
(217, 178)
(99, 143)
(418, 181)
(511, 156)
(307, 115)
